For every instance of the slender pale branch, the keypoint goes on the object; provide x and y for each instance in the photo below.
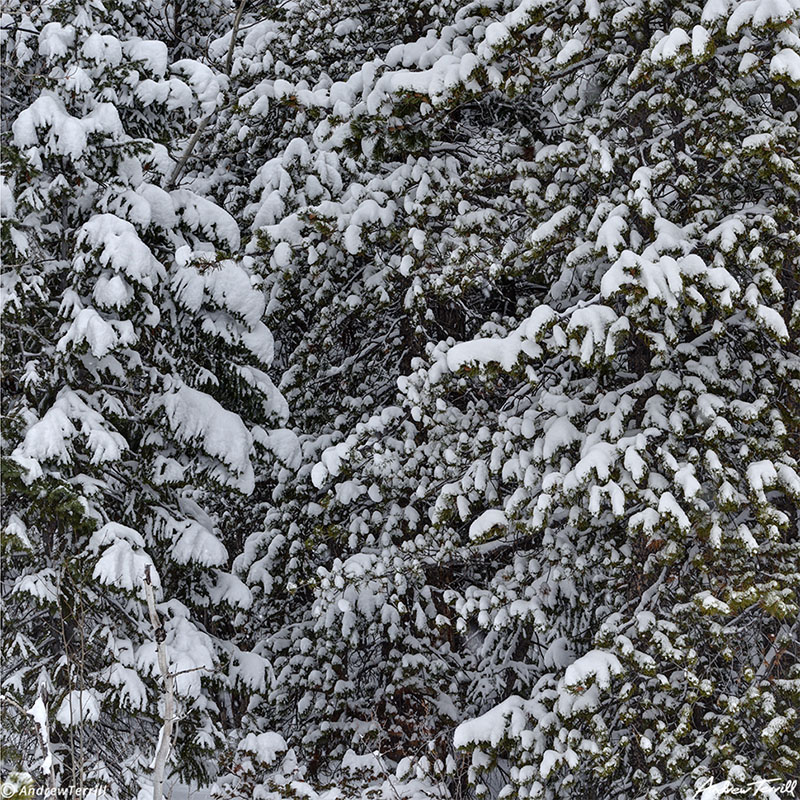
(201, 126)
(168, 696)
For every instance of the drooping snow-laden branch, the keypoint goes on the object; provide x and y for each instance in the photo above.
(39, 713)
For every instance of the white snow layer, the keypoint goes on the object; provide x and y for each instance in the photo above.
(196, 417)
(78, 707)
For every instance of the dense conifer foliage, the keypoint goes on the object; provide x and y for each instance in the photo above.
(402, 399)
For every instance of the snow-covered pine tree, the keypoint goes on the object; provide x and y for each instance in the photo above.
(135, 401)
(604, 481)
(625, 455)
(356, 293)
(575, 532)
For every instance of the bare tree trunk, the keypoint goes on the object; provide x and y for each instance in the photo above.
(168, 694)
